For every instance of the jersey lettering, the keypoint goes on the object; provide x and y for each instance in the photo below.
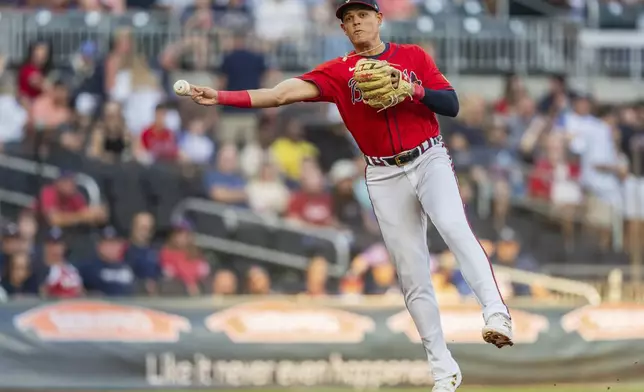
(356, 93)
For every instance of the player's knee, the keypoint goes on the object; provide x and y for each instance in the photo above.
(452, 226)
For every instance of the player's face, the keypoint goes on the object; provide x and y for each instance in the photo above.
(361, 25)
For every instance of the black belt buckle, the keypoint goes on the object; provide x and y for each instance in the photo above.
(403, 158)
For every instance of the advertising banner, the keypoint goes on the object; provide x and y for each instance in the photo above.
(283, 343)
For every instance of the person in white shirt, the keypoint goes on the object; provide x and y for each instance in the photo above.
(592, 139)
(277, 20)
(267, 193)
(194, 145)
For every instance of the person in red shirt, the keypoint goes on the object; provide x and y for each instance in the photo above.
(33, 71)
(157, 141)
(181, 260)
(63, 205)
(62, 279)
(313, 205)
(409, 172)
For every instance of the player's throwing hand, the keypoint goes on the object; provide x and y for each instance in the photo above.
(204, 95)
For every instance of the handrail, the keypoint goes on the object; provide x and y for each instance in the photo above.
(231, 214)
(590, 293)
(51, 172)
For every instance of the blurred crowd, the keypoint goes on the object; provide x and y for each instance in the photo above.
(563, 154)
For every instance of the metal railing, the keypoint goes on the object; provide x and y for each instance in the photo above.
(232, 217)
(24, 166)
(463, 44)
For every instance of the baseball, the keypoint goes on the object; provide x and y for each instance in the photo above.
(181, 87)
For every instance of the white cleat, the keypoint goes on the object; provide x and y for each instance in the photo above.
(498, 330)
(448, 384)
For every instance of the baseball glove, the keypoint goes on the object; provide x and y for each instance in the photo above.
(382, 85)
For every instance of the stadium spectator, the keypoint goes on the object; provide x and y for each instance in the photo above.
(632, 144)
(333, 145)
(182, 261)
(513, 92)
(223, 183)
(224, 283)
(50, 112)
(280, 20)
(348, 209)
(256, 152)
(108, 274)
(556, 180)
(291, 149)
(32, 75)
(559, 95)
(449, 276)
(63, 205)
(509, 253)
(199, 16)
(312, 205)
(85, 78)
(241, 69)
(520, 120)
(445, 290)
(110, 140)
(471, 120)
(140, 253)
(258, 282)
(28, 228)
(12, 111)
(233, 14)
(399, 10)
(267, 193)
(194, 144)
(18, 278)
(317, 278)
(592, 139)
(61, 279)
(157, 142)
(12, 243)
(375, 267)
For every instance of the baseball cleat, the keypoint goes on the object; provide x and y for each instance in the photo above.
(498, 330)
(448, 384)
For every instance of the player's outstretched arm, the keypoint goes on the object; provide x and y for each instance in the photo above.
(287, 92)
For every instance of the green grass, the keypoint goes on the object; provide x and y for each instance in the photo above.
(614, 387)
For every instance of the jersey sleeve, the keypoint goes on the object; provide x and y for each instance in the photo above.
(434, 78)
(322, 77)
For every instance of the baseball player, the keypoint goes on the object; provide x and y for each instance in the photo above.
(388, 96)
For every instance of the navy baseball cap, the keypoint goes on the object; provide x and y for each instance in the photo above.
(346, 3)
(109, 233)
(65, 173)
(182, 225)
(55, 234)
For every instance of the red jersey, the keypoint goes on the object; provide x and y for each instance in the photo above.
(51, 200)
(63, 281)
(389, 132)
(24, 87)
(160, 143)
(313, 209)
(178, 265)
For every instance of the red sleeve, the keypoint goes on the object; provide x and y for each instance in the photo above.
(323, 79)
(78, 202)
(166, 258)
(145, 139)
(434, 78)
(48, 200)
(295, 206)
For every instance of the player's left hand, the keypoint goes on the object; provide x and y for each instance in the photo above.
(381, 84)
